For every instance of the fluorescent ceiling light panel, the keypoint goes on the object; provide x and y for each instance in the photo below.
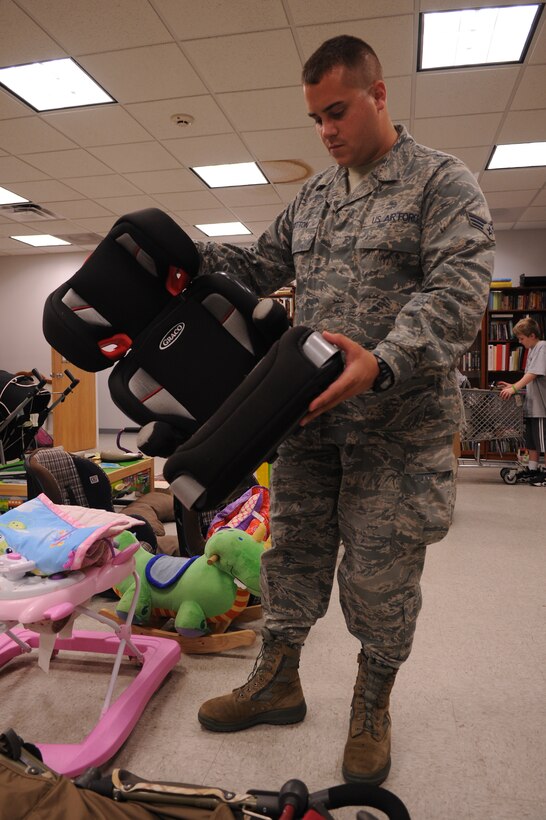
(232, 175)
(476, 36)
(224, 229)
(9, 198)
(53, 84)
(519, 155)
(44, 240)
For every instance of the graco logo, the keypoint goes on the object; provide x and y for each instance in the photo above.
(171, 337)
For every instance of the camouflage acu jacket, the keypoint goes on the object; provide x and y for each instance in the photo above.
(402, 265)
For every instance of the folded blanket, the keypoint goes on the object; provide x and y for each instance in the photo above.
(59, 537)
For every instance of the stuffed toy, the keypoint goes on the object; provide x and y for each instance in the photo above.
(194, 591)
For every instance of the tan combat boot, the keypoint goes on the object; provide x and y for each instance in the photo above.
(367, 756)
(272, 694)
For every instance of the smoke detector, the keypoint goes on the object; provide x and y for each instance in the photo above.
(182, 120)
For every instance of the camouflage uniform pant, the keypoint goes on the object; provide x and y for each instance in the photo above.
(385, 498)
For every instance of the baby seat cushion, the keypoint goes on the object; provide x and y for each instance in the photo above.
(182, 343)
(254, 420)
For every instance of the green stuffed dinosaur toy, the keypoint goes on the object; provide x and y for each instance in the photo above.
(193, 591)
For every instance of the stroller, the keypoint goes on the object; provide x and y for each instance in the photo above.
(24, 407)
(27, 782)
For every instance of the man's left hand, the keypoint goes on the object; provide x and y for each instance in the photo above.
(359, 374)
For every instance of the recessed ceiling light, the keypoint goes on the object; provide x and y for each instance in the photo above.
(229, 176)
(9, 198)
(518, 155)
(40, 240)
(53, 84)
(224, 229)
(478, 36)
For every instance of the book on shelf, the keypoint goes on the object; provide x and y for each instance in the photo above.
(500, 283)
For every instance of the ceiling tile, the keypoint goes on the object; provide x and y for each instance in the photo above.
(523, 126)
(324, 11)
(24, 136)
(531, 226)
(86, 27)
(103, 185)
(156, 117)
(104, 125)
(244, 61)
(186, 200)
(289, 143)
(70, 163)
(156, 182)
(78, 208)
(531, 92)
(259, 212)
(541, 198)
(137, 156)
(513, 179)
(23, 41)
(510, 199)
(140, 74)
(15, 170)
(534, 214)
(126, 204)
(474, 158)
(204, 216)
(265, 109)
(462, 131)
(206, 150)
(258, 228)
(11, 107)
(249, 195)
(100, 225)
(209, 18)
(48, 191)
(467, 91)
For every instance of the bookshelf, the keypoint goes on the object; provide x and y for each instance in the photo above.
(495, 355)
(504, 358)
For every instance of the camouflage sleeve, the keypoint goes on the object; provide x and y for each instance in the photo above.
(439, 323)
(263, 267)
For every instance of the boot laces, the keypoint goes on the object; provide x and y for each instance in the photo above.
(371, 694)
(263, 667)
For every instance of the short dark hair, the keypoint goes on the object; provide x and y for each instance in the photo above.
(344, 50)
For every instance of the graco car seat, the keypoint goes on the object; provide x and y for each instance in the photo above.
(179, 344)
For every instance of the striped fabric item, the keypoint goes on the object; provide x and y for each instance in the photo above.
(61, 465)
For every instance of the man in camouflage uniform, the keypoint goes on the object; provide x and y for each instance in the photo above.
(392, 252)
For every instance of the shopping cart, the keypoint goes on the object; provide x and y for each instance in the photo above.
(489, 418)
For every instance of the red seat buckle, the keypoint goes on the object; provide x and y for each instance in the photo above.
(177, 280)
(116, 346)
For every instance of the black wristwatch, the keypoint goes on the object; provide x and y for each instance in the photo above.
(385, 377)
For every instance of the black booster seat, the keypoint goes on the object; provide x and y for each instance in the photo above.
(215, 377)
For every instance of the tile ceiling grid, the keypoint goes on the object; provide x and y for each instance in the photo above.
(234, 66)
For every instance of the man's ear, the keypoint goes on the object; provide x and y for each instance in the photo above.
(379, 93)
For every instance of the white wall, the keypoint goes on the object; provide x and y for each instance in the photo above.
(520, 252)
(25, 284)
(26, 281)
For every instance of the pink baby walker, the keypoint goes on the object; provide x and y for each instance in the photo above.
(46, 607)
